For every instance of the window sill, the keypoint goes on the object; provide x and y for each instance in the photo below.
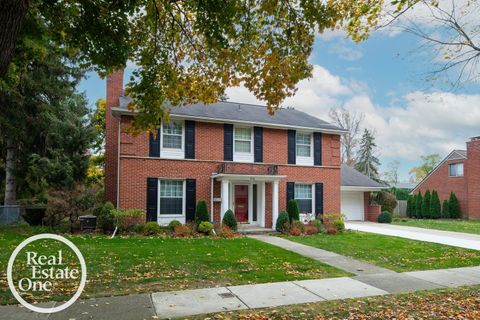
(170, 215)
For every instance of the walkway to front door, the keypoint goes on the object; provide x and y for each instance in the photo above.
(241, 203)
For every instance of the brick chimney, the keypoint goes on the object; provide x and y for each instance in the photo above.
(114, 91)
(473, 177)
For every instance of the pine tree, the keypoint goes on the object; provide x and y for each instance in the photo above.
(426, 205)
(454, 207)
(201, 212)
(293, 212)
(410, 206)
(367, 162)
(435, 209)
(418, 206)
(445, 209)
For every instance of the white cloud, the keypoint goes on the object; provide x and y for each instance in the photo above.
(419, 123)
(346, 50)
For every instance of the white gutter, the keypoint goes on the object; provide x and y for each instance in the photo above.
(361, 188)
(236, 176)
(121, 111)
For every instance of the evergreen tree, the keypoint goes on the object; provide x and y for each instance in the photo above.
(446, 209)
(367, 162)
(44, 125)
(293, 212)
(453, 206)
(426, 205)
(418, 206)
(201, 212)
(410, 200)
(435, 209)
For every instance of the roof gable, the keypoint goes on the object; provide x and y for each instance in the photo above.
(454, 155)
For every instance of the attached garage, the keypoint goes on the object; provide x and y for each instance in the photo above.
(355, 195)
(352, 205)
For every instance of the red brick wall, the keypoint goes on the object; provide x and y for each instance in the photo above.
(473, 178)
(136, 166)
(440, 181)
(371, 211)
(114, 91)
(209, 144)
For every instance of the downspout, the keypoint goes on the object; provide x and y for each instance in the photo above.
(118, 165)
(211, 199)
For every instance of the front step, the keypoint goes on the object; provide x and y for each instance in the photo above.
(251, 229)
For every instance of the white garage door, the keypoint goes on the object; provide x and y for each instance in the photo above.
(352, 205)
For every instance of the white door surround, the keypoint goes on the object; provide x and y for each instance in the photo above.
(227, 190)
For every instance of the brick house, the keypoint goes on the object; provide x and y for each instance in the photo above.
(233, 156)
(459, 172)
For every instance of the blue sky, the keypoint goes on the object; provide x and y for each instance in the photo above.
(385, 79)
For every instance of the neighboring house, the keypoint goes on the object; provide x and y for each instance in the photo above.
(459, 172)
(404, 185)
(356, 189)
(234, 156)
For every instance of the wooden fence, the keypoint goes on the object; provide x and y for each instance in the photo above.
(401, 208)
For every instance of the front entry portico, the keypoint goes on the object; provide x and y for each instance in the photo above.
(245, 195)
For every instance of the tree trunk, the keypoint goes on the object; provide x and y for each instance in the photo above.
(10, 181)
(12, 14)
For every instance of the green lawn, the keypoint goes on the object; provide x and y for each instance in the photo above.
(468, 226)
(459, 303)
(393, 253)
(138, 264)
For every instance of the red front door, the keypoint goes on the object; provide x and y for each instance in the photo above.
(241, 203)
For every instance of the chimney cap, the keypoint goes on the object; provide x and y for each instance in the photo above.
(477, 138)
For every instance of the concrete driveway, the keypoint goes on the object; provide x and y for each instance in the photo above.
(456, 239)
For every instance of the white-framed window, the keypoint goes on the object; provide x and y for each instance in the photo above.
(171, 197)
(304, 144)
(455, 170)
(243, 144)
(172, 135)
(304, 148)
(243, 140)
(304, 197)
(172, 140)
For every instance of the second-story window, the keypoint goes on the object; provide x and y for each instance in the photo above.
(172, 135)
(455, 170)
(304, 144)
(243, 140)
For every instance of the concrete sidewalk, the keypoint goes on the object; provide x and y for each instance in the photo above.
(211, 300)
(456, 239)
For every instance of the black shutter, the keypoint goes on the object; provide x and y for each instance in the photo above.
(152, 199)
(318, 198)
(190, 199)
(258, 144)
(291, 147)
(317, 148)
(290, 191)
(189, 139)
(228, 142)
(155, 144)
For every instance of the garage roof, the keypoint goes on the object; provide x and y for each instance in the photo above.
(354, 178)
